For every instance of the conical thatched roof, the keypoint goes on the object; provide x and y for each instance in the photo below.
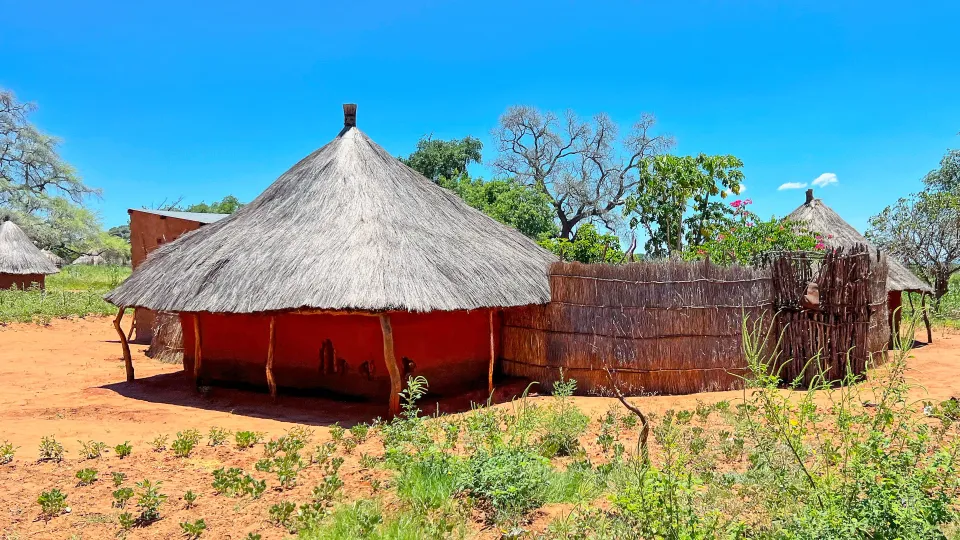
(18, 255)
(53, 257)
(822, 219)
(349, 227)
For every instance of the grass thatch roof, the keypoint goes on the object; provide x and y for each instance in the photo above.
(349, 227)
(18, 255)
(822, 219)
(54, 258)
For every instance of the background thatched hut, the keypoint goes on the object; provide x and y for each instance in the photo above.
(54, 258)
(91, 260)
(348, 273)
(21, 263)
(836, 232)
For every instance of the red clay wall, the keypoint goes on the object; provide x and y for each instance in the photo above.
(147, 233)
(21, 281)
(334, 352)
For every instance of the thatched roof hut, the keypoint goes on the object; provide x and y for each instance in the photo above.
(21, 262)
(54, 258)
(349, 231)
(822, 219)
(91, 260)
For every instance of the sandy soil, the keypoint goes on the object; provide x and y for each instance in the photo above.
(67, 380)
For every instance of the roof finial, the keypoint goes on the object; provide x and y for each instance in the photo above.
(809, 196)
(349, 115)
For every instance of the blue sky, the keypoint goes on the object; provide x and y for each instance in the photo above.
(203, 99)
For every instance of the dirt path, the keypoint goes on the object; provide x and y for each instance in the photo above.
(67, 380)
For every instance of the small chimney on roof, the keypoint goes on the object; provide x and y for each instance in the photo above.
(349, 115)
(809, 196)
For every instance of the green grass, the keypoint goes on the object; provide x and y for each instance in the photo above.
(77, 291)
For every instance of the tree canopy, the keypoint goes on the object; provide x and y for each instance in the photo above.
(923, 229)
(437, 159)
(584, 167)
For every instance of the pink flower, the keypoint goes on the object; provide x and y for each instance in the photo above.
(748, 201)
(749, 224)
(829, 236)
(737, 203)
(721, 236)
(820, 246)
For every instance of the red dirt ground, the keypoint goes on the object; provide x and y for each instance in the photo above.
(67, 380)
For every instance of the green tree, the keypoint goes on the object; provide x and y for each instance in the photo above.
(436, 159)
(227, 205)
(746, 238)
(678, 200)
(509, 202)
(120, 231)
(587, 246)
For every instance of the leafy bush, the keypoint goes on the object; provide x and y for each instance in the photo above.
(281, 514)
(189, 498)
(7, 450)
(429, 480)
(185, 442)
(193, 530)
(121, 496)
(509, 480)
(92, 449)
(247, 439)
(118, 478)
(563, 422)
(286, 467)
(337, 432)
(148, 501)
(235, 483)
(52, 503)
(217, 436)
(159, 443)
(127, 521)
(86, 476)
(123, 450)
(51, 450)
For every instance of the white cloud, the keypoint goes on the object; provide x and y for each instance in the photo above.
(825, 179)
(743, 188)
(792, 185)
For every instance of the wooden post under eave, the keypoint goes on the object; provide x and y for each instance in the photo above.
(270, 346)
(493, 358)
(127, 360)
(197, 348)
(390, 359)
(926, 320)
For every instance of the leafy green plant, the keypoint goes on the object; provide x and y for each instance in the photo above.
(121, 496)
(185, 442)
(337, 432)
(217, 436)
(52, 503)
(563, 423)
(127, 521)
(7, 450)
(360, 432)
(247, 439)
(509, 480)
(254, 536)
(327, 490)
(349, 445)
(281, 514)
(235, 483)
(368, 461)
(118, 478)
(148, 501)
(123, 449)
(286, 467)
(189, 498)
(86, 476)
(193, 529)
(51, 450)
(92, 449)
(159, 443)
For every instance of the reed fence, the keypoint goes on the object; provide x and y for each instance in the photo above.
(664, 327)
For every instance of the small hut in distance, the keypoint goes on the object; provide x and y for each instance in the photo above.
(822, 219)
(22, 264)
(349, 273)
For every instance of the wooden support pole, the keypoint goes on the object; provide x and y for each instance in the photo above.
(197, 349)
(133, 324)
(270, 380)
(390, 359)
(127, 359)
(926, 319)
(493, 358)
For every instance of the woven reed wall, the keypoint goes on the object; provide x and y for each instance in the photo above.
(849, 329)
(665, 327)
